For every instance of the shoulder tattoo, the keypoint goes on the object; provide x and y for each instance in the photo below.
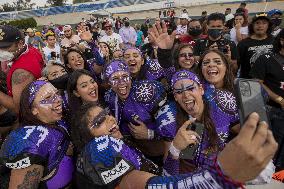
(20, 76)
(31, 180)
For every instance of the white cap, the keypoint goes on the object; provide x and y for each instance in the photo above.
(184, 15)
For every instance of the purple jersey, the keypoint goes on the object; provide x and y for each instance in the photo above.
(147, 102)
(156, 72)
(105, 160)
(40, 145)
(224, 114)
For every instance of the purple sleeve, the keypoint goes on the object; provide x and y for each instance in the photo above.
(98, 58)
(202, 178)
(171, 166)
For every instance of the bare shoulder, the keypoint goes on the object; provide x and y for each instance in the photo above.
(21, 76)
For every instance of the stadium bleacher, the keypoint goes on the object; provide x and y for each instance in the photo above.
(95, 6)
(102, 5)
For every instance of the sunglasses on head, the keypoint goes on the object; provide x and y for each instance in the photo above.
(100, 118)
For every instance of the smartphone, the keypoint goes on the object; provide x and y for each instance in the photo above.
(250, 99)
(190, 151)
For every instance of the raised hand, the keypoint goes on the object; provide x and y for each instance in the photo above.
(86, 36)
(161, 37)
(139, 131)
(185, 136)
(248, 154)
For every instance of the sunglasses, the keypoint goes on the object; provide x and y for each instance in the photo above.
(186, 55)
(100, 118)
(189, 87)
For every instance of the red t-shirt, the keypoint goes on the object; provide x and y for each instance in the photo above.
(188, 40)
(31, 61)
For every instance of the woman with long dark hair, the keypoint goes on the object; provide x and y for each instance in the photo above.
(215, 71)
(39, 152)
(188, 93)
(81, 88)
(240, 29)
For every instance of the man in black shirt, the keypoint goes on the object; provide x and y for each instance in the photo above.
(260, 42)
(215, 39)
(269, 70)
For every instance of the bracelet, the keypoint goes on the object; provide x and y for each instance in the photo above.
(151, 134)
(174, 151)
(222, 174)
(279, 99)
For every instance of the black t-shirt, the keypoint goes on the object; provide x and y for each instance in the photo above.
(201, 45)
(266, 68)
(250, 50)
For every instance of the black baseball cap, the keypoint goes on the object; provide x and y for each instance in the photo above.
(9, 35)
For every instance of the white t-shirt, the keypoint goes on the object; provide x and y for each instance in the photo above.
(233, 35)
(113, 41)
(47, 53)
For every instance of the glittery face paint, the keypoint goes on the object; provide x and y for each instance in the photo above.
(99, 119)
(119, 79)
(49, 97)
(185, 87)
(121, 84)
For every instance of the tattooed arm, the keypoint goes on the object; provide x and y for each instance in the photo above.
(20, 79)
(28, 178)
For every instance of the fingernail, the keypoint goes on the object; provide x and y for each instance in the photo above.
(254, 114)
(263, 122)
(193, 137)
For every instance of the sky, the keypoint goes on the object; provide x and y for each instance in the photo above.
(38, 2)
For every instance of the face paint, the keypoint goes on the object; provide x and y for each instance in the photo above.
(50, 96)
(118, 80)
(51, 100)
(188, 87)
(99, 119)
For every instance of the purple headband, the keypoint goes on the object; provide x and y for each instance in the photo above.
(183, 74)
(116, 66)
(134, 49)
(34, 88)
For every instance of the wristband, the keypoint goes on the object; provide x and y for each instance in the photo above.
(174, 151)
(151, 134)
